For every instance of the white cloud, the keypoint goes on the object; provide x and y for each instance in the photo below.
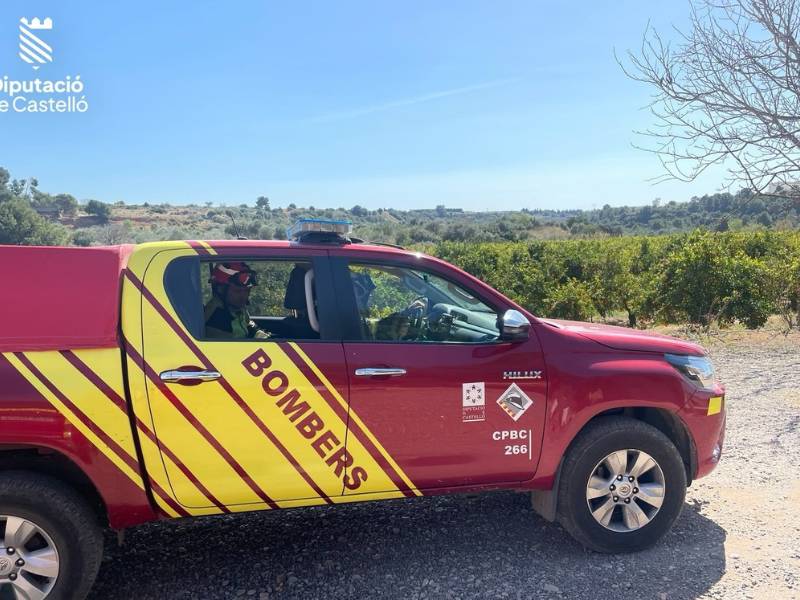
(366, 110)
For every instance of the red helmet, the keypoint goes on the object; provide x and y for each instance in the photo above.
(235, 273)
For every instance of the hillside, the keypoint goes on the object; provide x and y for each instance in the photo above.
(719, 212)
(701, 277)
(66, 220)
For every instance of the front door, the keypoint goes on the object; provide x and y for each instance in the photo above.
(252, 421)
(451, 403)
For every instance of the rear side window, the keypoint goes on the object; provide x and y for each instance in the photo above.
(251, 299)
(267, 297)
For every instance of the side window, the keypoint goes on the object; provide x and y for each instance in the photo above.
(259, 299)
(406, 305)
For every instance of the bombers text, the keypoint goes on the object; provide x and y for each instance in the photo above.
(310, 425)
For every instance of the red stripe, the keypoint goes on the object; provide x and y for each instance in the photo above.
(94, 378)
(352, 426)
(187, 414)
(265, 430)
(92, 426)
(165, 497)
(199, 248)
(141, 425)
(298, 361)
(228, 387)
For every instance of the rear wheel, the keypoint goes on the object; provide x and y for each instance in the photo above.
(50, 542)
(622, 486)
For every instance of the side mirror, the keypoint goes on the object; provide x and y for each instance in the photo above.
(514, 326)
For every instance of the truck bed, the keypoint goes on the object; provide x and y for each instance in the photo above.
(58, 298)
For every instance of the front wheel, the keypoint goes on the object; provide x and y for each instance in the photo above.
(622, 486)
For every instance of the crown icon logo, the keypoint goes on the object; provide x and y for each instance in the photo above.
(32, 48)
(36, 23)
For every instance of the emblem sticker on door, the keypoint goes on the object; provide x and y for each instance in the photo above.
(473, 402)
(514, 401)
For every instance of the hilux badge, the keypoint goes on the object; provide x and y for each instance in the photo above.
(522, 374)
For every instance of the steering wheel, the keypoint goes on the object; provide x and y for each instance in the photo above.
(417, 315)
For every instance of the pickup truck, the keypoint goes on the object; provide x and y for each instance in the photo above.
(366, 372)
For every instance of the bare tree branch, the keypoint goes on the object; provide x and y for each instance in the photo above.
(727, 92)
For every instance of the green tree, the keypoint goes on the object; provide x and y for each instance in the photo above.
(66, 204)
(17, 187)
(82, 237)
(706, 278)
(764, 219)
(262, 202)
(98, 209)
(21, 225)
(570, 300)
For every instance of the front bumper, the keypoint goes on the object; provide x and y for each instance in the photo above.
(705, 415)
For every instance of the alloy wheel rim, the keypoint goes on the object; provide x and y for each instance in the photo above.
(625, 490)
(29, 562)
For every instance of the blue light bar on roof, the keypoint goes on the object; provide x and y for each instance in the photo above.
(302, 227)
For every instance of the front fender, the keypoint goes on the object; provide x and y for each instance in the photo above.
(586, 383)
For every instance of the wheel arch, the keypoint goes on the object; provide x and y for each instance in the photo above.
(58, 466)
(545, 502)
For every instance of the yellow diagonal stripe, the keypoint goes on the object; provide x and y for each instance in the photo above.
(354, 417)
(39, 359)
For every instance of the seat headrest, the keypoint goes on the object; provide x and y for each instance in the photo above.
(295, 298)
(362, 286)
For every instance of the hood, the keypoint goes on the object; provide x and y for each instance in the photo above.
(622, 338)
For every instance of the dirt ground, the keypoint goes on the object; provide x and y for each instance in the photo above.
(738, 536)
(754, 495)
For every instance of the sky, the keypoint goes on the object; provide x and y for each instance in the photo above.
(478, 105)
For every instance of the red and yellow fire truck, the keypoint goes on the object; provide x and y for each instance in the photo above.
(136, 384)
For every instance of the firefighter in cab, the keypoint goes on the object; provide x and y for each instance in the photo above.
(226, 315)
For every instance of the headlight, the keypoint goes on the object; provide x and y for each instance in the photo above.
(696, 368)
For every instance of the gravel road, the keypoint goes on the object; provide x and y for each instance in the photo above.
(738, 536)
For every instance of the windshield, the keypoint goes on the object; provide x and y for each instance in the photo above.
(454, 294)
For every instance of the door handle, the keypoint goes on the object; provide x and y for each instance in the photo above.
(378, 371)
(179, 376)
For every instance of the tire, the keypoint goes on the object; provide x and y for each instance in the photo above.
(62, 519)
(593, 455)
